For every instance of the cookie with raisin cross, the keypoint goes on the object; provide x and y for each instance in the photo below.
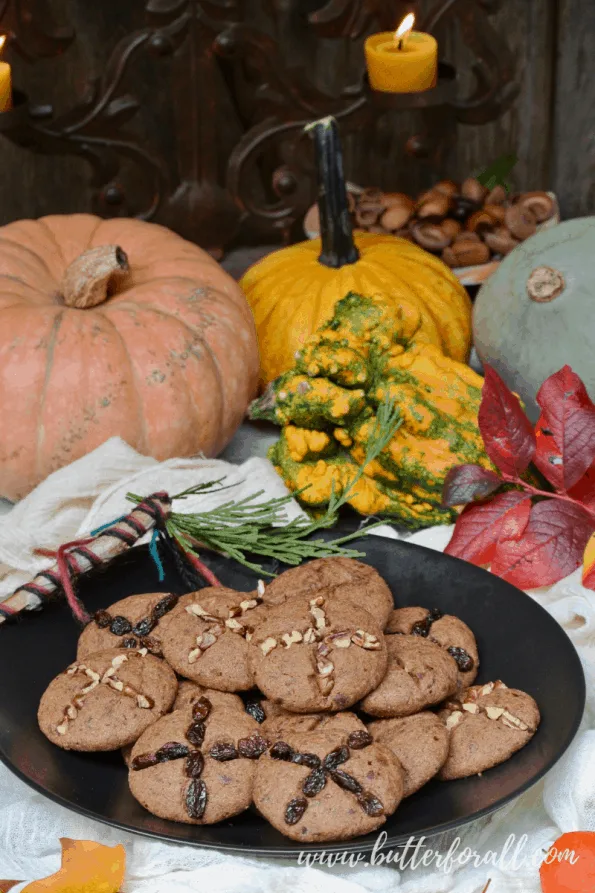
(343, 578)
(420, 674)
(312, 654)
(444, 629)
(106, 700)
(487, 724)
(197, 765)
(327, 785)
(190, 692)
(207, 636)
(133, 622)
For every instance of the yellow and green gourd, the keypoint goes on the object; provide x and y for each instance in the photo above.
(294, 290)
(327, 403)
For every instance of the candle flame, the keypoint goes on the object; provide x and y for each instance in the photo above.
(2, 41)
(405, 27)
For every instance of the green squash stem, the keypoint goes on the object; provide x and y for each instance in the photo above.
(336, 234)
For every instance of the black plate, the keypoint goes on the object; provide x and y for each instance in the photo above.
(518, 642)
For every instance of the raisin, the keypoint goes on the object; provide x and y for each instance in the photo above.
(357, 740)
(128, 643)
(143, 627)
(254, 709)
(144, 760)
(295, 810)
(196, 798)
(370, 804)
(120, 626)
(314, 782)
(152, 645)
(196, 733)
(336, 757)
(464, 660)
(306, 759)
(223, 752)
(201, 708)
(164, 606)
(253, 747)
(194, 764)
(102, 619)
(421, 628)
(346, 781)
(171, 751)
(281, 751)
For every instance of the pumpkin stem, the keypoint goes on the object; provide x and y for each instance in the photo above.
(544, 284)
(338, 247)
(88, 279)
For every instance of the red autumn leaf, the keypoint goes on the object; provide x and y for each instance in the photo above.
(548, 456)
(468, 483)
(584, 491)
(478, 527)
(566, 429)
(507, 433)
(551, 546)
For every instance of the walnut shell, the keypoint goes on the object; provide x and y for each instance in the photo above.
(540, 204)
(451, 228)
(497, 196)
(521, 221)
(434, 204)
(496, 212)
(472, 188)
(466, 254)
(501, 241)
(480, 221)
(447, 187)
(430, 236)
(396, 216)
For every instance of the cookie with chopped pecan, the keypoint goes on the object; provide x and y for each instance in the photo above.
(207, 635)
(312, 655)
(486, 726)
(342, 578)
(106, 700)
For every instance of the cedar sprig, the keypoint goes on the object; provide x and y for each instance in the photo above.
(243, 527)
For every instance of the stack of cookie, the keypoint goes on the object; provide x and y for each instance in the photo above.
(348, 705)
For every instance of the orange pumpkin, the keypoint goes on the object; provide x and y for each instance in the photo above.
(115, 327)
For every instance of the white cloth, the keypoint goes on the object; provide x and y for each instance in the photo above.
(93, 491)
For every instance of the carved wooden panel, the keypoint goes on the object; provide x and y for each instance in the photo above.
(190, 112)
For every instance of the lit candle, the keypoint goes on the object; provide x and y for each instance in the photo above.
(403, 62)
(5, 82)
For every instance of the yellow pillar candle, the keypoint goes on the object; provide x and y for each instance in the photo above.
(5, 82)
(405, 61)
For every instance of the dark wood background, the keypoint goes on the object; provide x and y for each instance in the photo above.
(550, 125)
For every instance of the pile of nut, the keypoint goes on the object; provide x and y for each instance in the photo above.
(464, 224)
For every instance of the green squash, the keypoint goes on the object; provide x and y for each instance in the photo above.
(537, 311)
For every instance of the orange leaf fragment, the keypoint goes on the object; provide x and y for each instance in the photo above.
(589, 563)
(569, 866)
(87, 867)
